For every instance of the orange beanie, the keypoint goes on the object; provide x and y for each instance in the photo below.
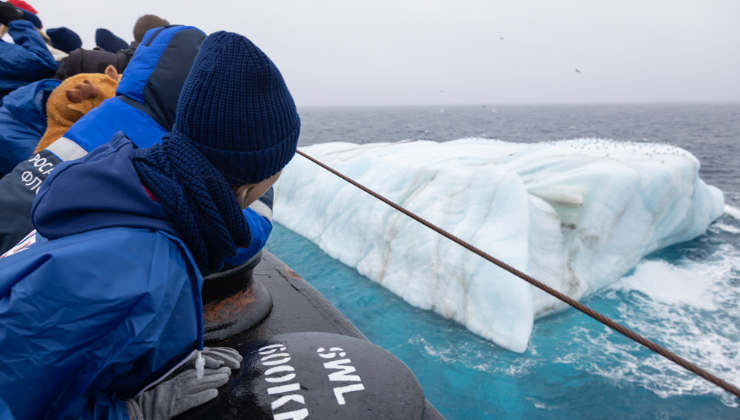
(72, 99)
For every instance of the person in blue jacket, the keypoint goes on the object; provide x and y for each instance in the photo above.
(26, 61)
(144, 109)
(23, 122)
(99, 317)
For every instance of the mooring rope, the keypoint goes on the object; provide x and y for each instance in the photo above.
(529, 279)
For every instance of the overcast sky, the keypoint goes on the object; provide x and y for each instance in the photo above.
(405, 52)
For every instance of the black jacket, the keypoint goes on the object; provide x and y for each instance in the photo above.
(94, 61)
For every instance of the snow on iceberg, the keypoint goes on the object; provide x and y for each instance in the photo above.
(575, 214)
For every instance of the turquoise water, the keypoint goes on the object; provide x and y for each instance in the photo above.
(574, 367)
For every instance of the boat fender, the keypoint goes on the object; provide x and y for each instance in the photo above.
(323, 376)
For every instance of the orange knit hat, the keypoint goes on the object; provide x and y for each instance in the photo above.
(73, 98)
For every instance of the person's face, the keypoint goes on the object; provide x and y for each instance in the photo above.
(249, 193)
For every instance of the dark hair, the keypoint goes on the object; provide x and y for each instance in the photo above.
(146, 23)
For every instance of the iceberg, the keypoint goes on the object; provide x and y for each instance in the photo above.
(574, 214)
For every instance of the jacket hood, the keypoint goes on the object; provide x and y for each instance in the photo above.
(26, 104)
(100, 190)
(154, 78)
(147, 94)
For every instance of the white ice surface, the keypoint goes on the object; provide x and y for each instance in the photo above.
(575, 214)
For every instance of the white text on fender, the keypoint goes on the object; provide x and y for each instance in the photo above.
(278, 373)
(342, 374)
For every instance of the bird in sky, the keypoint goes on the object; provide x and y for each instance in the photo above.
(578, 71)
(502, 38)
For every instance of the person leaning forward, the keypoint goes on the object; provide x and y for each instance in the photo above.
(107, 300)
(96, 61)
(26, 61)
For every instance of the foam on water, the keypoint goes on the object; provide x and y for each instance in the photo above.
(472, 356)
(732, 211)
(668, 284)
(725, 228)
(692, 309)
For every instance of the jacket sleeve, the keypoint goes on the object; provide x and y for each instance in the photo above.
(259, 217)
(17, 191)
(83, 327)
(27, 59)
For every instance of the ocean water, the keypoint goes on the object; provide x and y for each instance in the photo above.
(685, 297)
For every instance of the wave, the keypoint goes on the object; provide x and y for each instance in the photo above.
(691, 308)
(732, 211)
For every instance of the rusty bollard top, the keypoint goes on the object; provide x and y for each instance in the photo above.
(233, 302)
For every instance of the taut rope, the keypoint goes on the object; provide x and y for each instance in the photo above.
(732, 389)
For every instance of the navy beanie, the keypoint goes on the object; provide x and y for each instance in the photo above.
(32, 18)
(237, 110)
(64, 39)
(107, 41)
(236, 123)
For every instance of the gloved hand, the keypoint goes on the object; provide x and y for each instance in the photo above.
(231, 358)
(9, 13)
(177, 395)
(214, 357)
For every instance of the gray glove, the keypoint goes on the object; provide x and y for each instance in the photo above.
(231, 358)
(177, 395)
(214, 358)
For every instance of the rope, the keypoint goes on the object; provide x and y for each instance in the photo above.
(732, 389)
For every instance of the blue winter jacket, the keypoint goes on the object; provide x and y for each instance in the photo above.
(23, 122)
(103, 303)
(146, 99)
(144, 109)
(26, 61)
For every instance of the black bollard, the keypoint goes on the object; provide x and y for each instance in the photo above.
(233, 302)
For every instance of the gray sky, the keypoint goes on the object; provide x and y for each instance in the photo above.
(404, 52)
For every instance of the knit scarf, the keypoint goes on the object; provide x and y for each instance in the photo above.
(196, 197)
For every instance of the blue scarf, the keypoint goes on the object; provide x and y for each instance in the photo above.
(196, 197)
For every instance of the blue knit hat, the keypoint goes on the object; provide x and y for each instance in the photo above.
(237, 110)
(31, 17)
(64, 39)
(108, 41)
